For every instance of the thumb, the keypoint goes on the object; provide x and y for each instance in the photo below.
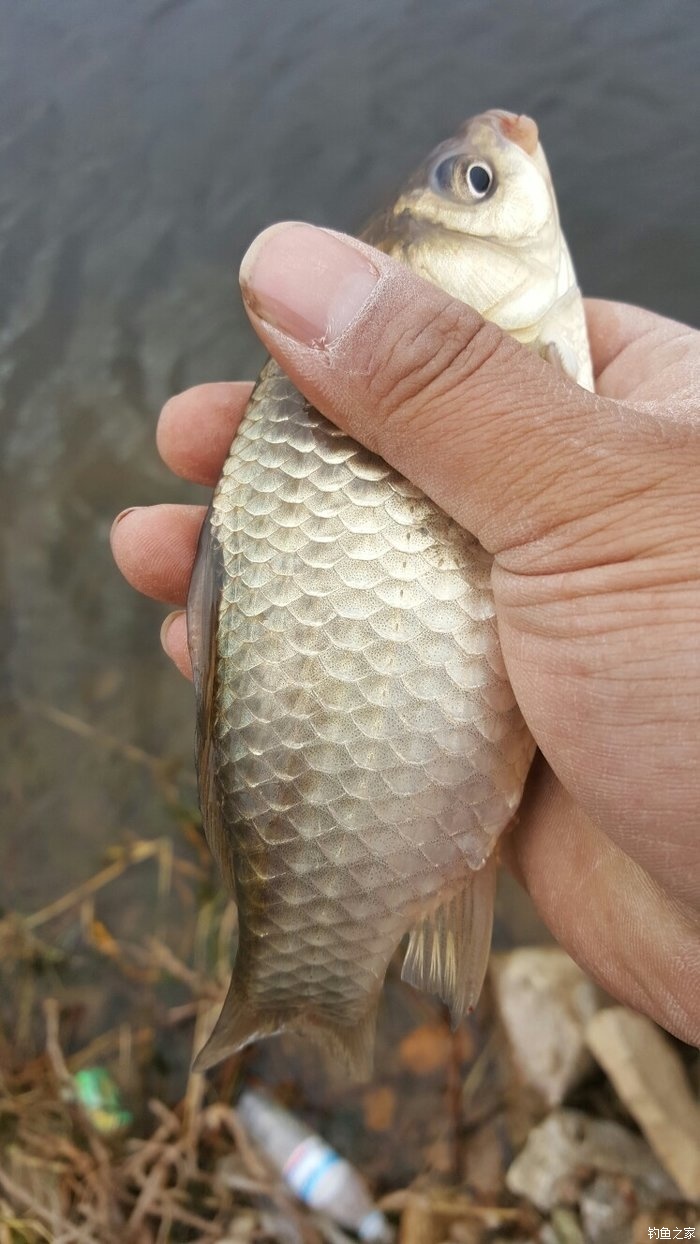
(498, 438)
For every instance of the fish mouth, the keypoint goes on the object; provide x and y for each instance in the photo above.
(519, 129)
(514, 127)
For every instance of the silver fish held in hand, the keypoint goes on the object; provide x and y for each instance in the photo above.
(359, 746)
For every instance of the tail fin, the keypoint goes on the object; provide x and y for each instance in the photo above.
(237, 1026)
(448, 951)
(349, 1045)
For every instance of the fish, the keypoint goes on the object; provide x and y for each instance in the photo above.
(359, 747)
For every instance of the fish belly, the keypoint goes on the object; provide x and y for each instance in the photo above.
(367, 747)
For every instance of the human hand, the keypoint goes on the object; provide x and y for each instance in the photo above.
(591, 508)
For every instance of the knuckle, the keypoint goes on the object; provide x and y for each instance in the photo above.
(420, 364)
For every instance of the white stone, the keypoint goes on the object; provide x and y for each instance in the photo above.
(545, 1002)
(563, 1151)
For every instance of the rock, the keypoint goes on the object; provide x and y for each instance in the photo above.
(607, 1207)
(568, 1147)
(545, 1002)
(650, 1080)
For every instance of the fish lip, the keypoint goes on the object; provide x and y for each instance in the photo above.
(516, 128)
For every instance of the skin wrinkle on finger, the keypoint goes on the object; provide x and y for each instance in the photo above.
(598, 600)
(592, 637)
(427, 409)
(417, 364)
(425, 395)
(643, 521)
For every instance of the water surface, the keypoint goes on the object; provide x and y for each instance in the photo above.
(142, 145)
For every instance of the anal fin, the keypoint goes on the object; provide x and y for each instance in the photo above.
(448, 951)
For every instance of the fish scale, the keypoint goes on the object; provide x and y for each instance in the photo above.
(360, 749)
(361, 667)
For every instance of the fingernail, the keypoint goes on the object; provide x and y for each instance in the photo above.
(306, 282)
(120, 517)
(167, 623)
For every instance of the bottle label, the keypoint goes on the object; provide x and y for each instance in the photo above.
(307, 1165)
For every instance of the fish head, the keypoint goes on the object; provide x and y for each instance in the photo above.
(479, 218)
(489, 181)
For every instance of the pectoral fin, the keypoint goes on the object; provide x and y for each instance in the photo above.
(448, 951)
(562, 356)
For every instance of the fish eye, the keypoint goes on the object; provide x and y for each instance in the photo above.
(456, 177)
(443, 175)
(479, 179)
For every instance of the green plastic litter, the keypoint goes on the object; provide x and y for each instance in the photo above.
(98, 1095)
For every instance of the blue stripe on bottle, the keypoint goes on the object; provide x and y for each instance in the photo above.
(306, 1188)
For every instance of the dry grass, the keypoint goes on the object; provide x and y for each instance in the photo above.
(60, 1179)
(102, 978)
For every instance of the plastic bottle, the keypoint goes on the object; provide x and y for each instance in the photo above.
(313, 1171)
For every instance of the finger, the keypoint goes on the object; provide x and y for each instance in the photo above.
(612, 918)
(634, 351)
(497, 437)
(612, 327)
(195, 429)
(173, 636)
(154, 547)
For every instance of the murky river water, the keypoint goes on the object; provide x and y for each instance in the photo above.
(142, 145)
